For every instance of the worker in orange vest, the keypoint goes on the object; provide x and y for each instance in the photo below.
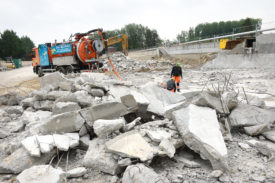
(176, 73)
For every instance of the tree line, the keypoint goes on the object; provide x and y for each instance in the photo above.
(208, 30)
(13, 46)
(139, 36)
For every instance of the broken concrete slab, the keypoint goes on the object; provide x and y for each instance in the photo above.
(39, 95)
(167, 147)
(141, 100)
(97, 92)
(124, 162)
(187, 162)
(158, 135)
(41, 174)
(45, 105)
(131, 125)
(200, 131)
(247, 115)
(76, 172)
(62, 123)
(29, 117)
(81, 97)
(139, 173)
(265, 147)
(31, 145)
(105, 127)
(27, 102)
(257, 129)
(97, 158)
(206, 99)
(131, 144)
(84, 142)
(108, 110)
(73, 139)
(61, 107)
(20, 160)
(130, 102)
(67, 85)
(53, 95)
(270, 135)
(62, 142)
(14, 109)
(230, 99)
(51, 80)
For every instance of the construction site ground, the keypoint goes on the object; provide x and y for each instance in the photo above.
(246, 165)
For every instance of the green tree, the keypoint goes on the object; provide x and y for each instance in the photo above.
(182, 37)
(26, 46)
(10, 44)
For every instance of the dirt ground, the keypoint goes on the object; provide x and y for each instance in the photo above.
(20, 81)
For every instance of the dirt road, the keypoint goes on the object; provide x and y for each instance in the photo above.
(20, 81)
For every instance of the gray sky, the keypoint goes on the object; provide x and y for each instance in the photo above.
(47, 20)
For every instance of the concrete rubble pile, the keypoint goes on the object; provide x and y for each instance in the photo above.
(123, 63)
(122, 130)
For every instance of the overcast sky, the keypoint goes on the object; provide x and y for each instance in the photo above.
(47, 20)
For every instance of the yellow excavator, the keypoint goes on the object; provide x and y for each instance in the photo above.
(120, 38)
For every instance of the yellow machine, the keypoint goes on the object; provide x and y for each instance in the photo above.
(223, 43)
(120, 38)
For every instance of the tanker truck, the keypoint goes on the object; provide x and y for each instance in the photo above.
(73, 56)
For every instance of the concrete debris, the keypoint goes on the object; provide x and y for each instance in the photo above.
(76, 172)
(83, 131)
(45, 105)
(66, 86)
(81, 97)
(131, 125)
(14, 110)
(257, 129)
(247, 115)
(265, 147)
(230, 100)
(106, 127)
(210, 100)
(97, 92)
(29, 117)
(244, 145)
(51, 80)
(108, 110)
(270, 135)
(216, 173)
(53, 95)
(187, 162)
(97, 158)
(62, 123)
(41, 174)
(167, 147)
(124, 162)
(158, 135)
(27, 102)
(62, 107)
(84, 142)
(200, 131)
(130, 144)
(3, 134)
(130, 102)
(32, 146)
(139, 173)
(62, 142)
(20, 160)
(159, 98)
(46, 143)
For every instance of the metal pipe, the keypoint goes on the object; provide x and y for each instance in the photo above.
(231, 35)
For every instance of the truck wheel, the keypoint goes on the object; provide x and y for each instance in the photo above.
(40, 73)
(69, 69)
(61, 69)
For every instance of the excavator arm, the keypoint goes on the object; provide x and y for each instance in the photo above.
(120, 38)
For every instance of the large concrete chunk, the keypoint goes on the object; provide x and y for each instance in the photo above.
(21, 160)
(139, 173)
(158, 135)
(97, 158)
(81, 97)
(43, 105)
(109, 110)
(52, 79)
(46, 143)
(131, 144)
(160, 98)
(76, 172)
(62, 123)
(200, 131)
(61, 107)
(41, 174)
(29, 117)
(247, 115)
(53, 95)
(97, 92)
(105, 127)
(14, 110)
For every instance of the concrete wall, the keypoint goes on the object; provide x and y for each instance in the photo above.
(211, 47)
(241, 61)
(265, 43)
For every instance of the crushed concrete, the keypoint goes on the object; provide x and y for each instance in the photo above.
(105, 127)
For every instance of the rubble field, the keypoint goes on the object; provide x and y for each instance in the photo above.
(92, 127)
